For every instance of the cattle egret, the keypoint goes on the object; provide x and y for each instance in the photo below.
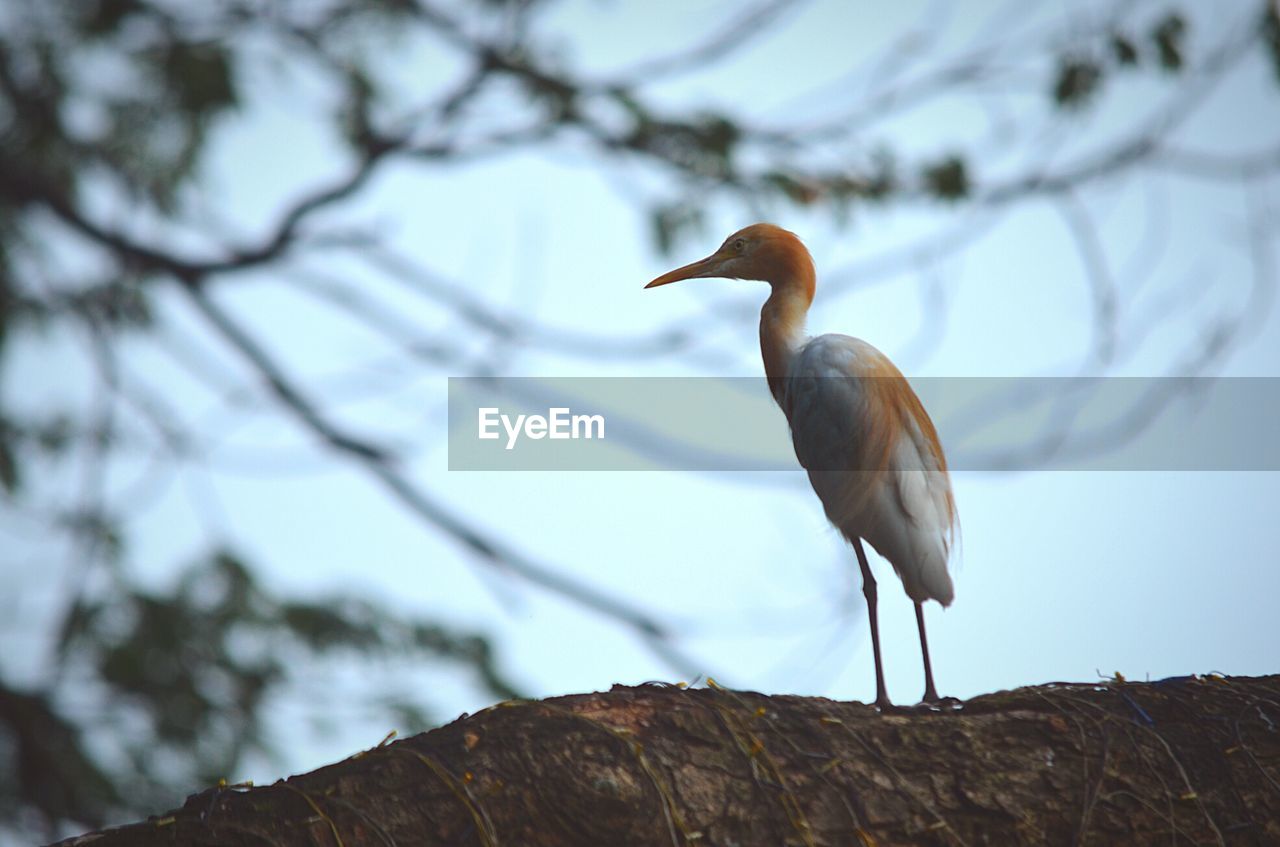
(872, 453)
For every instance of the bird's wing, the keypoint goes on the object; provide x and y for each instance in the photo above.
(834, 412)
(873, 456)
(846, 394)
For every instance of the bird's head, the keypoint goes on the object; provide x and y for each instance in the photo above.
(760, 251)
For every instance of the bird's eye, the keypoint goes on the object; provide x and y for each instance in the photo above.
(739, 244)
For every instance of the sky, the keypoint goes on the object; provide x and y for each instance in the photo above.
(1062, 575)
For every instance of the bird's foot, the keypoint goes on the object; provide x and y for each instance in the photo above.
(933, 701)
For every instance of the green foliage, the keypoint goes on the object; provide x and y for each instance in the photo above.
(153, 99)
(1123, 50)
(1270, 29)
(881, 181)
(9, 307)
(192, 671)
(704, 146)
(670, 223)
(798, 190)
(200, 76)
(100, 18)
(947, 179)
(49, 770)
(1077, 81)
(171, 688)
(1079, 76)
(9, 474)
(1168, 37)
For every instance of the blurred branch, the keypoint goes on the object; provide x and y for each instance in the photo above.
(380, 465)
(1097, 272)
(1214, 166)
(1143, 143)
(745, 26)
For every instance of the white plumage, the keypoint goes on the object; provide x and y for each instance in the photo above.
(902, 510)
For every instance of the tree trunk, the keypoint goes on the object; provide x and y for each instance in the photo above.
(1181, 761)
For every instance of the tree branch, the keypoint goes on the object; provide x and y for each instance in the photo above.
(1133, 764)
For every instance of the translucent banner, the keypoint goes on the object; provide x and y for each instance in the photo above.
(717, 424)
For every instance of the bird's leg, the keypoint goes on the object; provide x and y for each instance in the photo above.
(930, 693)
(869, 591)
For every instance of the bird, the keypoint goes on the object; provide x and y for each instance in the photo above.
(870, 449)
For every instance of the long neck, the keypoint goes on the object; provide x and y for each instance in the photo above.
(782, 323)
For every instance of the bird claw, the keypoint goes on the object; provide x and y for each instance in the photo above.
(938, 704)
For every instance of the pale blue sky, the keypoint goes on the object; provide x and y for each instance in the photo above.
(1061, 575)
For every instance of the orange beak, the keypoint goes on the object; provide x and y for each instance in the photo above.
(709, 266)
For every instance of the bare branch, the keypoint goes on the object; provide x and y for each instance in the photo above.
(1097, 272)
(753, 23)
(1214, 166)
(379, 465)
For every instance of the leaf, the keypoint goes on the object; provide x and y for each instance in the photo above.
(1168, 38)
(201, 77)
(119, 303)
(1271, 36)
(948, 179)
(719, 135)
(883, 180)
(103, 17)
(236, 584)
(670, 222)
(10, 478)
(1123, 50)
(10, 309)
(325, 627)
(100, 529)
(78, 621)
(355, 115)
(406, 713)
(51, 762)
(1077, 82)
(802, 192)
(54, 435)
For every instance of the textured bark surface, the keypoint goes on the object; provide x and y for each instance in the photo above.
(1181, 761)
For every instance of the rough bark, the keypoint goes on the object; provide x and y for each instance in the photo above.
(1190, 760)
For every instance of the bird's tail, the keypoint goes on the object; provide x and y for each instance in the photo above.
(912, 528)
(921, 564)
